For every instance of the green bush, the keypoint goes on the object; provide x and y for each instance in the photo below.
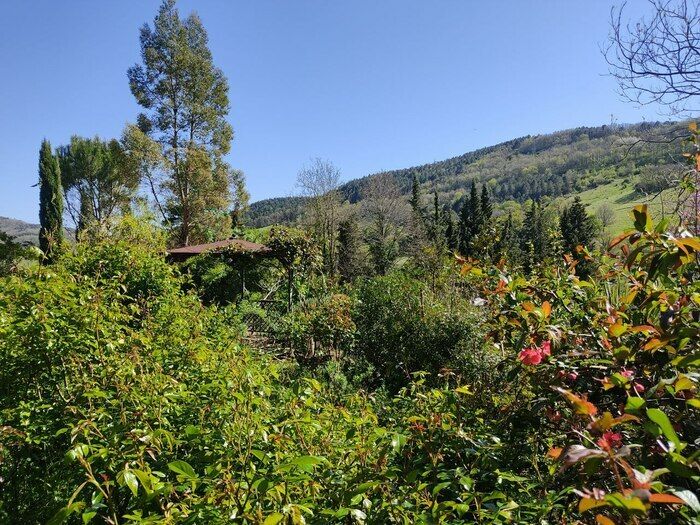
(403, 327)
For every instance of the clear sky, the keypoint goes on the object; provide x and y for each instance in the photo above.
(367, 84)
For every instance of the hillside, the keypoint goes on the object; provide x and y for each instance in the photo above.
(575, 161)
(25, 232)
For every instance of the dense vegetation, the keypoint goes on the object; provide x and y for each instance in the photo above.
(453, 343)
(125, 399)
(531, 167)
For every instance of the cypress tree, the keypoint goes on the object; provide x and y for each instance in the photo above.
(50, 202)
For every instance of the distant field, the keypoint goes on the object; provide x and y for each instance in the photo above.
(621, 197)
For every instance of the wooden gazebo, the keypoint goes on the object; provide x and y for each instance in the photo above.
(231, 246)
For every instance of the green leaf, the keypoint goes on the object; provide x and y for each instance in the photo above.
(689, 497)
(441, 486)
(62, 515)
(398, 441)
(634, 404)
(661, 419)
(131, 481)
(183, 468)
(273, 519)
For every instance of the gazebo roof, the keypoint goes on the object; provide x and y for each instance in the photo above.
(240, 245)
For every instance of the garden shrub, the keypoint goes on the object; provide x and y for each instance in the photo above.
(403, 327)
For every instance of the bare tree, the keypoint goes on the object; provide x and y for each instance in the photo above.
(388, 212)
(657, 60)
(319, 181)
(605, 214)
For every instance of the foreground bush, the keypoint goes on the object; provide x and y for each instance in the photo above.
(125, 400)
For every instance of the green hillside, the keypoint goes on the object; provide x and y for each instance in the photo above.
(603, 164)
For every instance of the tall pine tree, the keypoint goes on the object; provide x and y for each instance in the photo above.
(50, 203)
(577, 227)
(186, 97)
(469, 221)
(486, 210)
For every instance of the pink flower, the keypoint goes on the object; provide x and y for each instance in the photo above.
(534, 355)
(610, 440)
(530, 356)
(629, 374)
(638, 387)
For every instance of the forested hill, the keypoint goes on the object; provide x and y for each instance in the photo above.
(26, 232)
(555, 164)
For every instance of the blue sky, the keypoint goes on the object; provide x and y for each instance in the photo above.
(368, 84)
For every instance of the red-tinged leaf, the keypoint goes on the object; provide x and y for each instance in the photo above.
(666, 498)
(528, 306)
(546, 309)
(603, 520)
(581, 405)
(617, 329)
(620, 238)
(607, 421)
(643, 328)
(654, 344)
(589, 503)
(554, 452)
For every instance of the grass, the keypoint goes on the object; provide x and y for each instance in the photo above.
(622, 197)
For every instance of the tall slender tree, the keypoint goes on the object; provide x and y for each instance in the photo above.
(349, 246)
(186, 99)
(416, 196)
(50, 203)
(469, 221)
(486, 208)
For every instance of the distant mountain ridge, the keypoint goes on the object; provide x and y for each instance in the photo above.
(24, 232)
(555, 164)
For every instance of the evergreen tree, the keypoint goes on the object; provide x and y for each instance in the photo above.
(469, 221)
(507, 246)
(349, 246)
(451, 233)
(533, 237)
(50, 203)
(187, 100)
(577, 227)
(415, 197)
(486, 209)
(98, 179)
